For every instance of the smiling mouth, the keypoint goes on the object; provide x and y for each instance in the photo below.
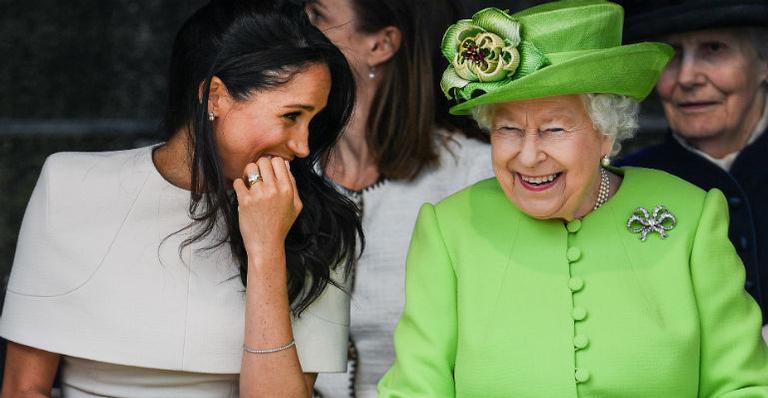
(539, 183)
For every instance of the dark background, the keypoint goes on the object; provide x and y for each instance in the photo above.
(90, 75)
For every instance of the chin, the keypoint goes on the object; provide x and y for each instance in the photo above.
(537, 212)
(696, 131)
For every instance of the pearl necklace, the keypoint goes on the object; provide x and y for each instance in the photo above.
(605, 189)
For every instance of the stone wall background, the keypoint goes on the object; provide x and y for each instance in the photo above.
(76, 76)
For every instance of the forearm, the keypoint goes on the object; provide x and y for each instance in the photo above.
(267, 326)
(24, 394)
(29, 372)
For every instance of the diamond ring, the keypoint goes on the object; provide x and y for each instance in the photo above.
(253, 178)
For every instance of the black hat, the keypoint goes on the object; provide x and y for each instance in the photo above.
(645, 19)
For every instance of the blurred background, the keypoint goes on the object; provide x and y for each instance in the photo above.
(89, 75)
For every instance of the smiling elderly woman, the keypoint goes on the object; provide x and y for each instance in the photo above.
(564, 276)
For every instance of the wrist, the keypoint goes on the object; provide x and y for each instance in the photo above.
(269, 256)
(263, 246)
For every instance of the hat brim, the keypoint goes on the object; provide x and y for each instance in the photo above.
(630, 70)
(648, 22)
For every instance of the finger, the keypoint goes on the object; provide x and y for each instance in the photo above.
(251, 169)
(265, 168)
(240, 189)
(293, 181)
(280, 168)
(295, 188)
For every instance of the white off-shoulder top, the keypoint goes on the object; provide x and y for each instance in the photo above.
(99, 277)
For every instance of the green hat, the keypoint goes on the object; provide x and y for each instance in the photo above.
(565, 47)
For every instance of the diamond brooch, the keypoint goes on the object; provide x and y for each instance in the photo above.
(643, 222)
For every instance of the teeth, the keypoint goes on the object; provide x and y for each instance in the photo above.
(539, 180)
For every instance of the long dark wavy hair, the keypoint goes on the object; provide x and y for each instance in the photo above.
(254, 46)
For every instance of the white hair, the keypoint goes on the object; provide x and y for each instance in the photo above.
(613, 115)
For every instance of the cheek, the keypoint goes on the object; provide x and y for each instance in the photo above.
(344, 39)
(583, 150)
(501, 153)
(336, 37)
(238, 145)
(231, 140)
(730, 81)
(744, 87)
(666, 83)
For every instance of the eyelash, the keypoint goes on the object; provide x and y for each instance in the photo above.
(555, 130)
(292, 116)
(714, 46)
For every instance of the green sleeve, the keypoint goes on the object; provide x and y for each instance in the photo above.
(734, 360)
(425, 337)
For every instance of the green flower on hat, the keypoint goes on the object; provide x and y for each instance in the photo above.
(485, 57)
(485, 52)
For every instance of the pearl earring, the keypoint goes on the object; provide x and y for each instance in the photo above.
(605, 161)
(211, 116)
(372, 73)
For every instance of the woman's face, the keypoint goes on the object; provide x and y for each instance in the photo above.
(546, 155)
(338, 21)
(274, 122)
(710, 88)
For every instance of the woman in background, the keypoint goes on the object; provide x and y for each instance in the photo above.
(715, 97)
(211, 265)
(401, 149)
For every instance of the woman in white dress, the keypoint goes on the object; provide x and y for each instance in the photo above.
(214, 264)
(401, 149)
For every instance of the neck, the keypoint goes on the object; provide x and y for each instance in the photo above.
(351, 163)
(588, 205)
(172, 160)
(725, 144)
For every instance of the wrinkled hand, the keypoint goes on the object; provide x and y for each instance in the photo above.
(269, 207)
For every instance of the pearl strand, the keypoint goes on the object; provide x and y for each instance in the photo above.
(605, 189)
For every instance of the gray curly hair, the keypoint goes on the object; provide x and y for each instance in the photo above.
(611, 114)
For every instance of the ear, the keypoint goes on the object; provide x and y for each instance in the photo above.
(384, 45)
(218, 96)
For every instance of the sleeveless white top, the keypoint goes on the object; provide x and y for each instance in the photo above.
(98, 277)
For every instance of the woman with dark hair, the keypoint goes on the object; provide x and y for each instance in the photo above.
(134, 268)
(401, 149)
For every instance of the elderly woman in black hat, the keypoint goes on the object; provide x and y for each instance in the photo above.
(714, 96)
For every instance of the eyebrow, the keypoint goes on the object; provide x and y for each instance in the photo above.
(308, 108)
(556, 112)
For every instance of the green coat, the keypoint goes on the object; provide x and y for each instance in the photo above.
(499, 304)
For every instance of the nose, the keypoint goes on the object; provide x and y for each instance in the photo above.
(530, 154)
(298, 142)
(690, 73)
